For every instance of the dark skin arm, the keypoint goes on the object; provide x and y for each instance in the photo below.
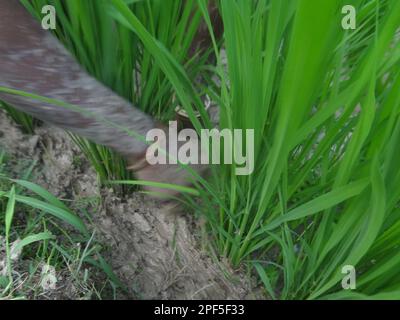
(32, 60)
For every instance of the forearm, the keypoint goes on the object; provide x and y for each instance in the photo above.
(32, 60)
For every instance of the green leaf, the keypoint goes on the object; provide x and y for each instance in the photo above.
(33, 238)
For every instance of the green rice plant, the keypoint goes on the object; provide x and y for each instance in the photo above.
(115, 56)
(25, 121)
(324, 104)
(318, 102)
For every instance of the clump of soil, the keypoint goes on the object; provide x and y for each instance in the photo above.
(153, 248)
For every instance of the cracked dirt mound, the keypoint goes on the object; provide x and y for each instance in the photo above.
(153, 248)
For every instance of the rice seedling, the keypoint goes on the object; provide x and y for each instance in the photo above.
(25, 121)
(47, 246)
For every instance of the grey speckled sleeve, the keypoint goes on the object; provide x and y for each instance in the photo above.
(32, 60)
